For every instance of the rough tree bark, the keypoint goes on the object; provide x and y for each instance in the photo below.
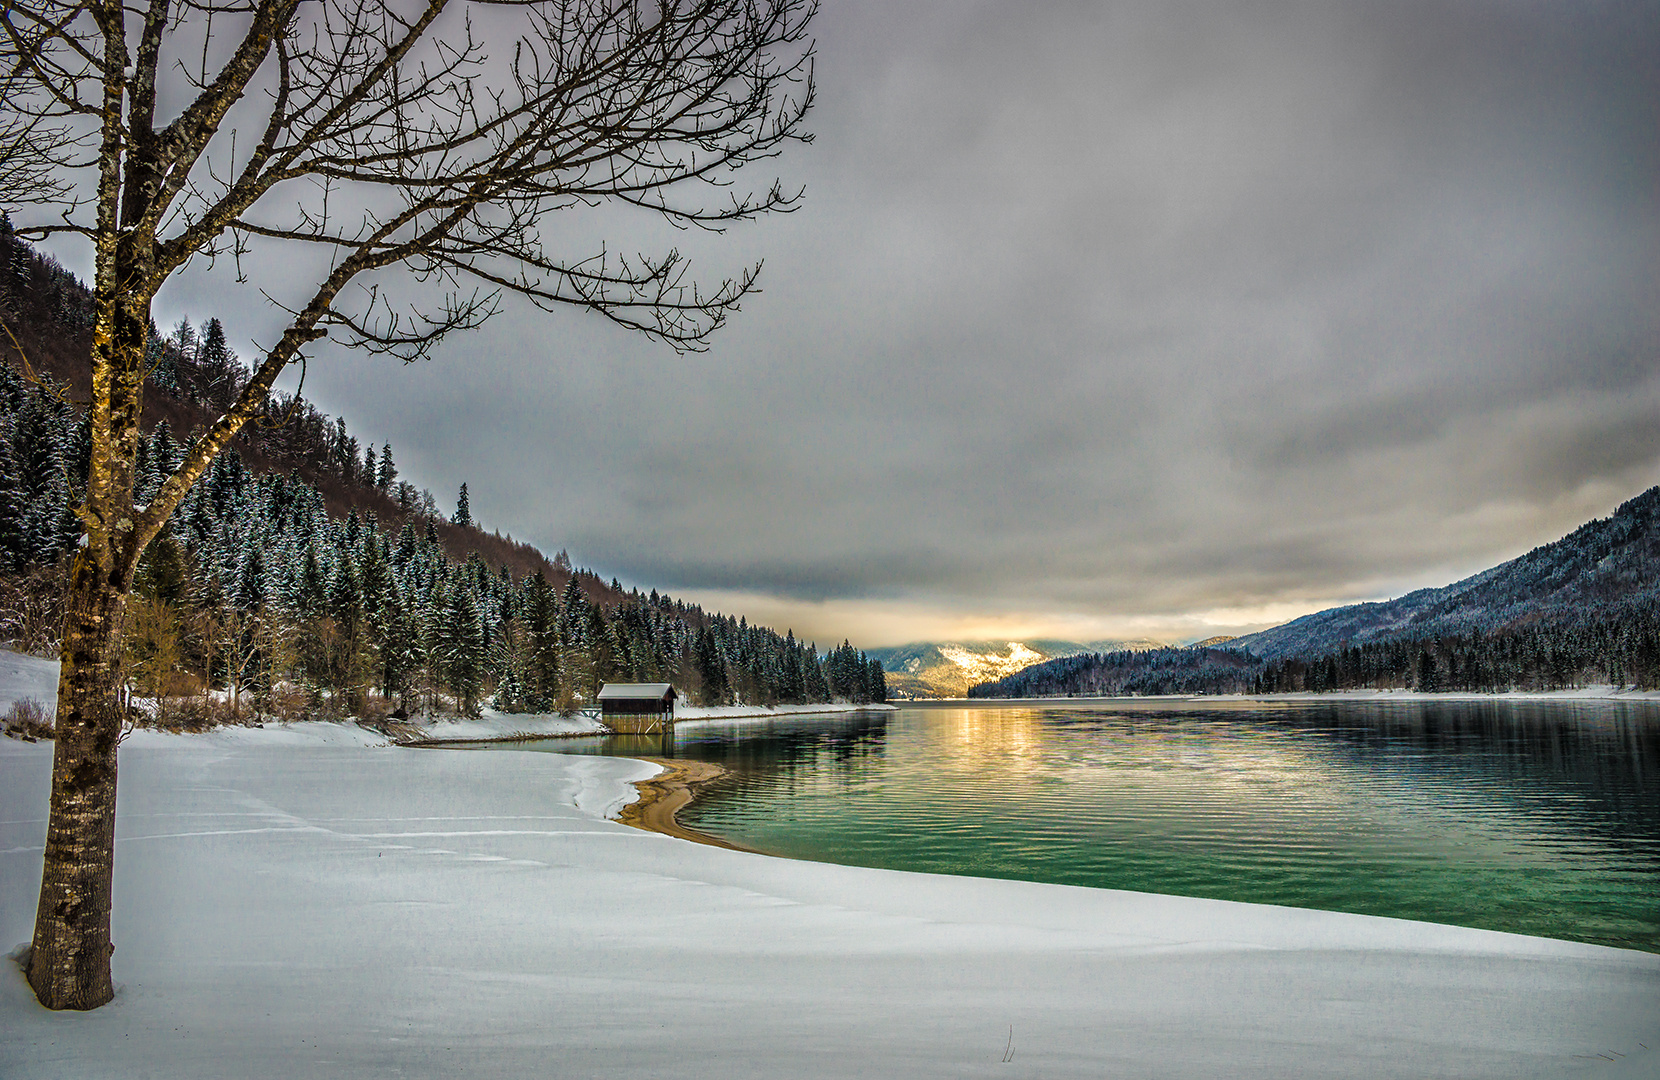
(68, 964)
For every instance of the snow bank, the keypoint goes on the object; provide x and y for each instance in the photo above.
(491, 724)
(23, 676)
(685, 713)
(291, 902)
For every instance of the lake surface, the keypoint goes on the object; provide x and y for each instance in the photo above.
(1533, 817)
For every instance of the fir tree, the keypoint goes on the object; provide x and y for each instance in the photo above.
(876, 682)
(463, 513)
(542, 625)
(816, 688)
(711, 670)
(219, 374)
(14, 549)
(462, 649)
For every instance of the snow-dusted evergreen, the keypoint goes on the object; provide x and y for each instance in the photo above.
(256, 590)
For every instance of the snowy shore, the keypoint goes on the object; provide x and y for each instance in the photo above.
(1582, 693)
(305, 901)
(493, 726)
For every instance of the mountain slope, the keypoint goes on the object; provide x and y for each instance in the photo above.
(1604, 561)
(1583, 609)
(948, 668)
(1168, 670)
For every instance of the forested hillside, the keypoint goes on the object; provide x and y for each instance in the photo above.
(1598, 567)
(1167, 670)
(306, 577)
(942, 669)
(1584, 609)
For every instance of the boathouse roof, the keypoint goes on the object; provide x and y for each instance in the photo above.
(637, 691)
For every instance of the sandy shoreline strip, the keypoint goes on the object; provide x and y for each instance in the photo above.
(662, 796)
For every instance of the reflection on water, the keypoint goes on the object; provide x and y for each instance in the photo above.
(1535, 817)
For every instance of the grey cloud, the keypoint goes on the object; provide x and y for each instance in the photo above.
(1128, 309)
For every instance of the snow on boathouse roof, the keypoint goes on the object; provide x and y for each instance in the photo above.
(637, 691)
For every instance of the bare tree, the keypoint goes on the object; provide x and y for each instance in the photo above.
(36, 146)
(416, 147)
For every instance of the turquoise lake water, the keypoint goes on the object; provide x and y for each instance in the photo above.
(1533, 817)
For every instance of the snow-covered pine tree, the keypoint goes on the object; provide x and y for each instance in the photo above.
(160, 362)
(38, 436)
(463, 648)
(179, 356)
(876, 682)
(463, 512)
(816, 688)
(542, 624)
(711, 670)
(14, 551)
(220, 375)
(399, 652)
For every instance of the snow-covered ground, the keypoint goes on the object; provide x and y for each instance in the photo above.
(27, 677)
(302, 902)
(31, 677)
(493, 725)
(686, 713)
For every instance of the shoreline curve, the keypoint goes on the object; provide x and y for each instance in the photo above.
(662, 796)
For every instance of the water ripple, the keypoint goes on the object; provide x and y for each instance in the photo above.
(1538, 818)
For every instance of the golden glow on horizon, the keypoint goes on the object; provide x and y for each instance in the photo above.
(872, 624)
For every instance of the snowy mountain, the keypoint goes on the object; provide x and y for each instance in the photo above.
(1584, 609)
(1604, 562)
(948, 668)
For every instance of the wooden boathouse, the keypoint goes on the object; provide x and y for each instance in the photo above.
(637, 708)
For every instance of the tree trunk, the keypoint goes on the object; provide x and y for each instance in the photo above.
(69, 962)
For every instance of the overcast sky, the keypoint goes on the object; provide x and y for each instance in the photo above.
(1107, 319)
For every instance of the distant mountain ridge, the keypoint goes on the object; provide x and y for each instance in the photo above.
(1583, 609)
(1604, 561)
(942, 669)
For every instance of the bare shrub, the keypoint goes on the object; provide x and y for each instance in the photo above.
(28, 720)
(286, 703)
(375, 708)
(199, 713)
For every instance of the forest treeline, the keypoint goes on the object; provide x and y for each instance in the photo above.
(258, 590)
(1616, 644)
(1581, 610)
(1170, 670)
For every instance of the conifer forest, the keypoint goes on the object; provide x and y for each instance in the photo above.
(304, 577)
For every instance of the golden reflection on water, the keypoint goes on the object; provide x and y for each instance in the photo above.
(1255, 772)
(1186, 782)
(1011, 738)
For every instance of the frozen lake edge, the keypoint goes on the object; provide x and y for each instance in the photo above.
(298, 901)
